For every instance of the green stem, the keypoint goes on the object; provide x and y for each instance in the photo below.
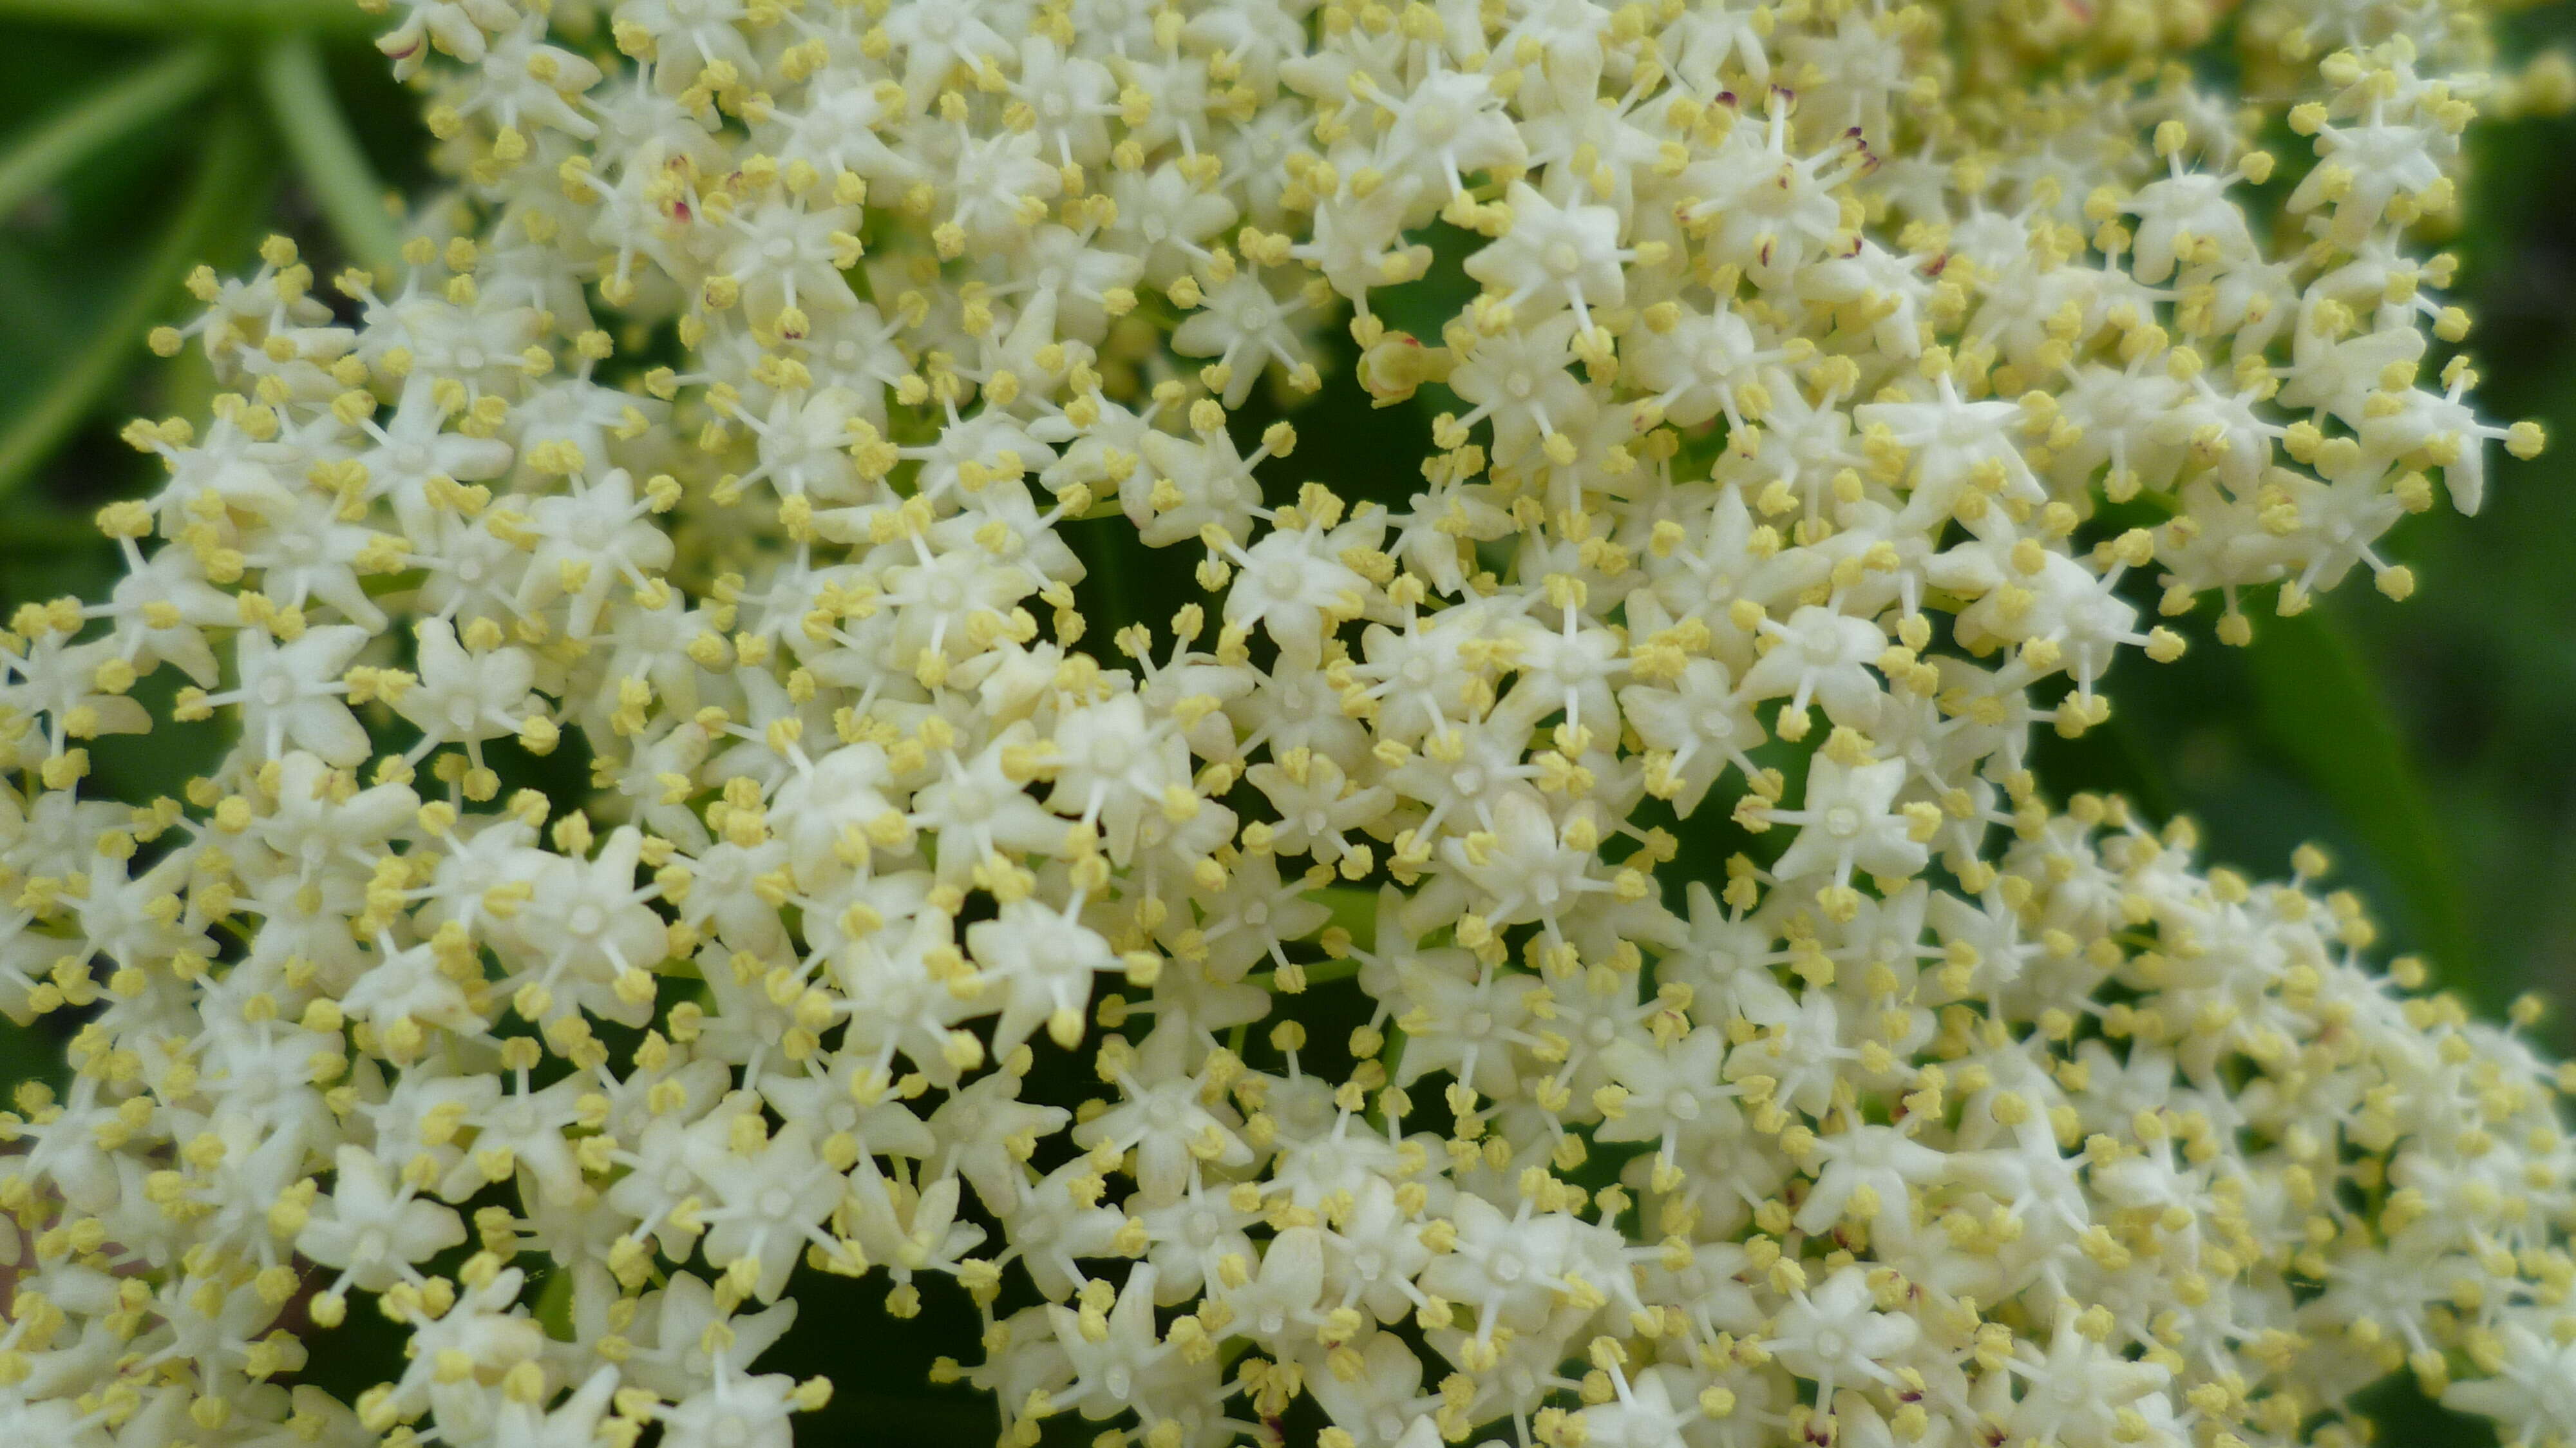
(1390, 1056)
(1321, 973)
(326, 152)
(118, 108)
(165, 17)
(224, 175)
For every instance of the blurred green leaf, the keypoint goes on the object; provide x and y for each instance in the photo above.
(326, 152)
(32, 1053)
(108, 113)
(2321, 704)
(165, 16)
(231, 165)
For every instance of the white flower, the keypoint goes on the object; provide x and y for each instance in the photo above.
(1850, 822)
(1040, 963)
(290, 693)
(1832, 1334)
(463, 698)
(2533, 1394)
(1554, 256)
(371, 1232)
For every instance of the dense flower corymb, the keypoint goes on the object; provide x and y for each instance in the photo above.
(1827, 391)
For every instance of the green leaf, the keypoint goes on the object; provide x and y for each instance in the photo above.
(337, 17)
(32, 1053)
(232, 164)
(554, 1306)
(2320, 703)
(326, 152)
(116, 109)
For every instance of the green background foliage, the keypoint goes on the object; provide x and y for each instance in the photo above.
(2424, 744)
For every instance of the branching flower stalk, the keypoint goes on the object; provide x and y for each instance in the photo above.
(1827, 390)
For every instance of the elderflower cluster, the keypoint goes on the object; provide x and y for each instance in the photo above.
(1835, 381)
